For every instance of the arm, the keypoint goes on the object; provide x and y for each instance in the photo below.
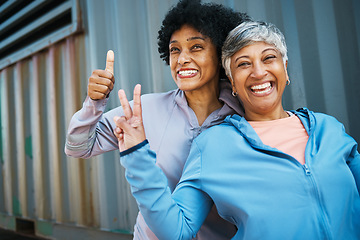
(350, 146)
(177, 216)
(90, 132)
(354, 165)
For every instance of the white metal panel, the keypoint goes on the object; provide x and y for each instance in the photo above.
(19, 15)
(33, 24)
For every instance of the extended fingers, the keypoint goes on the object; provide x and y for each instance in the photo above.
(125, 104)
(137, 102)
(110, 62)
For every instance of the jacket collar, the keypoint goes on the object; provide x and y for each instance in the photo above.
(231, 105)
(305, 115)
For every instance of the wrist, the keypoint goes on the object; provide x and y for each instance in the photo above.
(134, 148)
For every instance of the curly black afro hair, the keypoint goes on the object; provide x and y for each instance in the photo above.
(212, 20)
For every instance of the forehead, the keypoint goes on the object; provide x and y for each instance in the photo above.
(257, 48)
(187, 33)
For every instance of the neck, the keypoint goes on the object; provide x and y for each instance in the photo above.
(253, 116)
(203, 103)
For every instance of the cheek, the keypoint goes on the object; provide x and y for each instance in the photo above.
(281, 72)
(239, 79)
(208, 60)
(172, 62)
(172, 69)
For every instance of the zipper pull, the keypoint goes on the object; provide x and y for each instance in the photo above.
(307, 170)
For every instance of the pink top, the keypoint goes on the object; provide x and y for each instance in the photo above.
(286, 134)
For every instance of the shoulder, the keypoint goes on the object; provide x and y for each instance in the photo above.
(156, 97)
(329, 123)
(320, 121)
(217, 137)
(317, 116)
(326, 120)
(233, 126)
(217, 129)
(158, 103)
(325, 117)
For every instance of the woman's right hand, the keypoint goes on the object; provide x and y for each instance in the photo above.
(101, 82)
(129, 128)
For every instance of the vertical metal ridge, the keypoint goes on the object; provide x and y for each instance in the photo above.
(53, 125)
(6, 124)
(20, 138)
(74, 169)
(37, 140)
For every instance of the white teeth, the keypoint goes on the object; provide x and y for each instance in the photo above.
(261, 86)
(263, 91)
(187, 72)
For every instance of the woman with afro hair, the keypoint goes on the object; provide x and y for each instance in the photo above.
(190, 42)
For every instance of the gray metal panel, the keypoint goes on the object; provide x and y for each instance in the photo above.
(40, 94)
(25, 32)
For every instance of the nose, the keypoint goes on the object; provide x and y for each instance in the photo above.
(258, 71)
(184, 58)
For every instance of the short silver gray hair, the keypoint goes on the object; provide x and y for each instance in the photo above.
(248, 33)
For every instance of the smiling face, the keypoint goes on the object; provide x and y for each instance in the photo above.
(194, 62)
(259, 78)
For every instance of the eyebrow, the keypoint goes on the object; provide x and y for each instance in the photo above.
(266, 49)
(189, 39)
(270, 48)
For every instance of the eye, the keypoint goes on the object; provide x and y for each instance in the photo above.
(196, 47)
(243, 64)
(269, 58)
(174, 49)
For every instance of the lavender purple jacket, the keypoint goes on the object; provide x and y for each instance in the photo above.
(170, 127)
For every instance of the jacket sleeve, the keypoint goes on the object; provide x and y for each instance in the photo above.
(90, 131)
(170, 216)
(354, 165)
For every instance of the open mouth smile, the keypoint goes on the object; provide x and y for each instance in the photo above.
(187, 73)
(262, 89)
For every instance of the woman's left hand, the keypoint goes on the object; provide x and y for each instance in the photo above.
(129, 128)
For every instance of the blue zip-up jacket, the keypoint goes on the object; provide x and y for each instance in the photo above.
(266, 193)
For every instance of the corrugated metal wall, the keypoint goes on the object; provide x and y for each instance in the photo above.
(39, 95)
(38, 182)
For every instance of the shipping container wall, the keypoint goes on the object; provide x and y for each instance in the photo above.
(39, 183)
(323, 38)
(70, 198)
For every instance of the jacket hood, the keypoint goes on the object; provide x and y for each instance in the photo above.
(231, 103)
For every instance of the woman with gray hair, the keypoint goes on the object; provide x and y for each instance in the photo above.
(275, 174)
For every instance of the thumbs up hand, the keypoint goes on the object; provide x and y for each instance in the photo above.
(101, 82)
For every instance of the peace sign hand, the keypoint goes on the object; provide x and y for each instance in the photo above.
(129, 128)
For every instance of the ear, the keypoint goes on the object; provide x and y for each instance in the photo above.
(232, 83)
(286, 64)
